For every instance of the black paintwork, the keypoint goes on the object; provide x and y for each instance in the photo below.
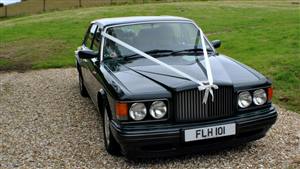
(139, 79)
(126, 80)
(137, 19)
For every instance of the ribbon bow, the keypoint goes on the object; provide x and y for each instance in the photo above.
(208, 89)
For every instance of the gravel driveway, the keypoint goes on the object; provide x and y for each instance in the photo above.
(45, 123)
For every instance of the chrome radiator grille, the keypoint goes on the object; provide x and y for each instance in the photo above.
(189, 107)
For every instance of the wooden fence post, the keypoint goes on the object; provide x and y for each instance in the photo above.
(5, 9)
(80, 5)
(44, 5)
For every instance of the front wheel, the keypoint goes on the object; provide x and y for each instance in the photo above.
(111, 145)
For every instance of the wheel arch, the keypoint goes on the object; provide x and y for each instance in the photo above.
(78, 67)
(102, 102)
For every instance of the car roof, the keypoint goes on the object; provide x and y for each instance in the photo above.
(136, 19)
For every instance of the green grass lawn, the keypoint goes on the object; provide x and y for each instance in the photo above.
(264, 35)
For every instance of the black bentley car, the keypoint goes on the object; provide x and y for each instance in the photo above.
(150, 111)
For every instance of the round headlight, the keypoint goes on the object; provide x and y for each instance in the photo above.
(244, 99)
(158, 109)
(138, 111)
(259, 97)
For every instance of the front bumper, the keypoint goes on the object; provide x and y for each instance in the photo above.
(158, 140)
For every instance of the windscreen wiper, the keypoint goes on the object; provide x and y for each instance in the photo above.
(190, 50)
(155, 52)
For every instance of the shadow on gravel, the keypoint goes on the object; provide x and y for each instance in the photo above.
(203, 155)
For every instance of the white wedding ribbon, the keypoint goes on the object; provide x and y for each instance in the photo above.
(207, 87)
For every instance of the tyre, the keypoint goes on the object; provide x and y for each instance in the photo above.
(111, 145)
(83, 91)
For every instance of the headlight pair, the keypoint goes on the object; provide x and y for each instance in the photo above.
(138, 111)
(245, 98)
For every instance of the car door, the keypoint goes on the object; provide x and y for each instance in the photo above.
(85, 63)
(92, 75)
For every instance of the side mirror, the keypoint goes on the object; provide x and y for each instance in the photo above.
(86, 54)
(216, 43)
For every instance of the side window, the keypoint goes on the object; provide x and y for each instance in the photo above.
(97, 41)
(90, 36)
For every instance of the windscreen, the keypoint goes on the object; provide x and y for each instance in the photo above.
(171, 36)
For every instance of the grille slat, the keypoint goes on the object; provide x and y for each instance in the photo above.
(189, 106)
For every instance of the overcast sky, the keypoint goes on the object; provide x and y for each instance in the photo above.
(7, 2)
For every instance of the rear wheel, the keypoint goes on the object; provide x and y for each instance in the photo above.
(111, 145)
(83, 91)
